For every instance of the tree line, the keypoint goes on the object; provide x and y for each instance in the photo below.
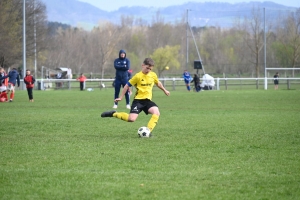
(235, 50)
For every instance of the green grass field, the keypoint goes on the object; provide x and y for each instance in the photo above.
(208, 145)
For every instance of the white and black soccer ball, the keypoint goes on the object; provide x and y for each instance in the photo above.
(144, 132)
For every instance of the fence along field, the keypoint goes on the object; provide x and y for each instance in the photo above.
(170, 83)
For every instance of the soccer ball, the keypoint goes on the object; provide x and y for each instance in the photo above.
(144, 132)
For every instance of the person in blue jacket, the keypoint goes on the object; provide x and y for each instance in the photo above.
(122, 65)
(187, 79)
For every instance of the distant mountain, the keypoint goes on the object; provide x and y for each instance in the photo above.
(85, 15)
(73, 12)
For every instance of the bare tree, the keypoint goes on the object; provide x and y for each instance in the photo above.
(102, 42)
(253, 29)
(159, 34)
(289, 36)
(9, 32)
(11, 35)
(237, 49)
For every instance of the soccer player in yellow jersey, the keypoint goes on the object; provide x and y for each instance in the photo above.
(143, 82)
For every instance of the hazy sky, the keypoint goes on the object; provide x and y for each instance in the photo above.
(116, 4)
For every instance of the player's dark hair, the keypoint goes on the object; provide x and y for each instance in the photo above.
(148, 61)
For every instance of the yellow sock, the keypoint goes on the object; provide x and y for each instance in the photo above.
(121, 115)
(153, 121)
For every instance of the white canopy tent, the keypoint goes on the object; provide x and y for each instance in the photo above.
(208, 82)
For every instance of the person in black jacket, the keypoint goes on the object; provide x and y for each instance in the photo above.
(276, 81)
(122, 65)
(196, 81)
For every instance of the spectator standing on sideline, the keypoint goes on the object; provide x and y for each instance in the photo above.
(69, 73)
(81, 79)
(187, 79)
(13, 78)
(20, 71)
(29, 81)
(144, 82)
(69, 76)
(122, 65)
(3, 85)
(196, 81)
(276, 81)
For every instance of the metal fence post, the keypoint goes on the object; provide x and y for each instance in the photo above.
(173, 83)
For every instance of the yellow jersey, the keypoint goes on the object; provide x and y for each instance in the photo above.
(143, 84)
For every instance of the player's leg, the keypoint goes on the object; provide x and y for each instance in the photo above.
(6, 95)
(28, 93)
(3, 93)
(152, 108)
(136, 108)
(134, 112)
(31, 94)
(29, 90)
(12, 91)
(118, 84)
(275, 84)
(121, 115)
(187, 83)
(12, 96)
(154, 118)
(7, 92)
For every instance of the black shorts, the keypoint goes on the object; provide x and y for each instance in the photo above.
(139, 105)
(276, 82)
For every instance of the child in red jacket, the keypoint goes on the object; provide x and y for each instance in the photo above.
(81, 79)
(29, 81)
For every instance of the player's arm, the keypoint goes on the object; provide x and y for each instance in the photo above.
(117, 65)
(125, 89)
(25, 81)
(160, 86)
(3, 77)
